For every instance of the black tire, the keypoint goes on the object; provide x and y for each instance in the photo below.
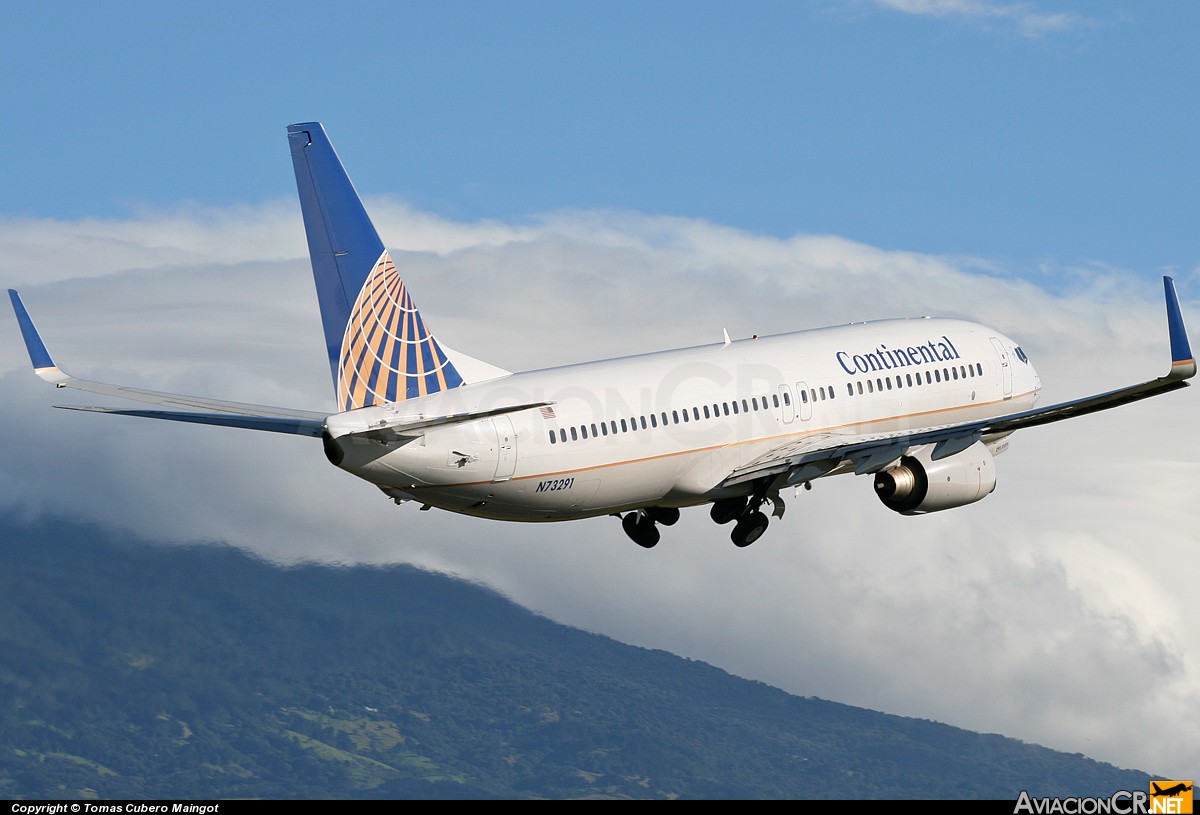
(667, 516)
(749, 529)
(648, 535)
(641, 530)
(727, 509)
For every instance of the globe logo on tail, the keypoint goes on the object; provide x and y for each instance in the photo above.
(388, 354)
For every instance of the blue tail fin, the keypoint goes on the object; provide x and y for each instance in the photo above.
(379, 348)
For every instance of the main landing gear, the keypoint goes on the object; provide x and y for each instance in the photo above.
(641, 525)
(752, 522)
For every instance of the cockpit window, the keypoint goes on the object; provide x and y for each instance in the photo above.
(1021, 355)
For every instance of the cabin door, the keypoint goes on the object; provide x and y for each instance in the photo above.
(506, 448)
(1005, 366)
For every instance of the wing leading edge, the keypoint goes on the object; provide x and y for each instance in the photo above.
(811, 457)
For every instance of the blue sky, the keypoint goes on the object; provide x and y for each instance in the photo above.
(1033, 132)
(566, 181)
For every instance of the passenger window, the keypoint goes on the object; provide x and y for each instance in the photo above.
(685, 415)
(574, 435)
(804, 397)
(937, 375)
(562, 435)
(909, 378)
(775, 399)
(849, 388)
(595, 433)
(653, 420)
(553, 438)
(604, 428)
(860, 387)
(675, 416)
(624, 428)
(696, 413)
(707, 415)
(787, 399)
(583, 431)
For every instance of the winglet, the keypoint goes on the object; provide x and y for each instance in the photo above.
(1183, 363)
(43, 365)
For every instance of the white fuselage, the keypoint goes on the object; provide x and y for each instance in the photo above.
(666, 429)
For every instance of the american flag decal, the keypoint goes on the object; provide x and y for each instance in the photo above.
(547, 412)
(388, 354)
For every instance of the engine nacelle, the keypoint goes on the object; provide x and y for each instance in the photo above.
(918, 484)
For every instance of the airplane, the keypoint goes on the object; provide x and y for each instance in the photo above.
(921, 405)
(1170, 792)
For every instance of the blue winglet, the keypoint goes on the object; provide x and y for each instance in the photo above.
(38, 354)
(1182, 360)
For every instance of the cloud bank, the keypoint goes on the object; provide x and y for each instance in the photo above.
(1056, 611)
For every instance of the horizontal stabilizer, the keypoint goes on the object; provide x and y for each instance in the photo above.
(195, 409)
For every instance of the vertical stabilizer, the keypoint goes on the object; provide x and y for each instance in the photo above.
(379, 348)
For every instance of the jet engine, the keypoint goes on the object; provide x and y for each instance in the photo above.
(918, 484)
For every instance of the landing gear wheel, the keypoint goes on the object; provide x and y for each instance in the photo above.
(640, 529)
(749, 529)
(727, 509)
(667, 516)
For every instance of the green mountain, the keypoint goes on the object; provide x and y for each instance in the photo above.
(132, 670)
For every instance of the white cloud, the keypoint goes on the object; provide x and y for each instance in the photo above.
(1056, 611)
(1024, 16)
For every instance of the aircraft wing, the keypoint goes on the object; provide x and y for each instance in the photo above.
(819, 454)
(196, 409)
